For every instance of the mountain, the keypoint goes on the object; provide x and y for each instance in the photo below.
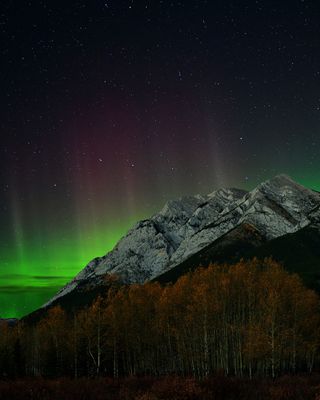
(224, 225)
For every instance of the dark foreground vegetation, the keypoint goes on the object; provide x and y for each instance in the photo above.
(171, 388)
(252, 319)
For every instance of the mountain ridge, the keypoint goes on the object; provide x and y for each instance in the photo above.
(188, 225)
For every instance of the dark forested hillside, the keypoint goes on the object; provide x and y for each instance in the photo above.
(299, 252)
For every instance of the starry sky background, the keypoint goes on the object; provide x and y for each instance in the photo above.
(110, 108)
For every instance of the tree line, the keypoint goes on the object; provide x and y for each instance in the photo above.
(249, 319)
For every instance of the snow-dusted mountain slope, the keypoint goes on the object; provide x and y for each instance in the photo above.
(187, 225)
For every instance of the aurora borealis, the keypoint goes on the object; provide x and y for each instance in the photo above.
(110, 108)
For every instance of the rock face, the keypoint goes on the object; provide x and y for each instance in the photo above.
(187, 225)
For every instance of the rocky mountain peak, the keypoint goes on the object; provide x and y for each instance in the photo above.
(283, 184)
(187, 225)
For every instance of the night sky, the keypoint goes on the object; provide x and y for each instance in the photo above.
(110, 108)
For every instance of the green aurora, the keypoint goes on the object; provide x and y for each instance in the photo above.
(39, 271)
(40, 265)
